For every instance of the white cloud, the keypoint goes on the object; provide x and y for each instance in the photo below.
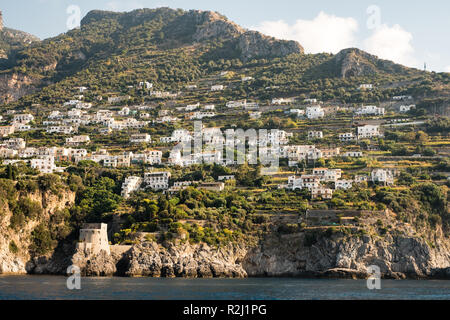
(325, 33)
(392, 43)
(121, 6)
(447, 69)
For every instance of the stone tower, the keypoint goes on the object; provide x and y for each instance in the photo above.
(1, 20)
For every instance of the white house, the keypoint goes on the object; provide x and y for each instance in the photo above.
(322, 192)
(382, 176)
(140, 138)
(343, 184)
(315, 112)
(346, 137)
(209, 107)
(130, 185)
(312, 135)
(280, 101)
(304, 182)
(157, 180)
(78, 140)
(399, 98)
(404, 108)
(353, 154)
(23, 118)
(125, 111)
(368, 131)
(192, 107)
(15, 143)
(365, 86)
(327, 175)
(370, 110)
(217, 88)
(45, 164)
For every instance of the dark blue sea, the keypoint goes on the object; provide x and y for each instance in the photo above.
(54, 287)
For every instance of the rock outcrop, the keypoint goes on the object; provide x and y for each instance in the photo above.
(191, 261)
(354, 62)
(99, 265)
(14, 86)
(15, 255)
(343, 256)
(253, 44)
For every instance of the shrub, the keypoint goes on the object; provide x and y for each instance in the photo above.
(13, 247)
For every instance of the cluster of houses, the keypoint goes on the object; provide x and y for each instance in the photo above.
(318, 182)
(160, 181)
(44, 158)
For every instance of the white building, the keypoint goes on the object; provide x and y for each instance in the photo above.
(45, 164)
(315, 112)
(404, 108)
(327, 175)
(343, 184)
(209, 107)
(304, 182)
(15, 143)
(23, 118)
(399, 98)
(353, 154)
(192, 107)
(382, 176)
(78, 140)
(321, 192)
(157, 180)
(370, 110)
(312, 135)
(61, 129)
(94, 239)
(365, 86)
(140, 138)
(346, 137)
(125, 111)
(236, 104)
(217, 88)
(130, 185)
(145, 85)
(280, 101)
(297, 112)
(369, 131)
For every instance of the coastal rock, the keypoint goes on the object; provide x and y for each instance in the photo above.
(186, 260)
(348, 257)
(99, 265)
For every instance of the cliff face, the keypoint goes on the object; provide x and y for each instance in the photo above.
(356, 63)
(397, 256)
(254, 44)
(14, 86)
(15, 256)
(296, 255)
(192, 261)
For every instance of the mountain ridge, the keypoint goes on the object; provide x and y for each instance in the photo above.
(185, 43)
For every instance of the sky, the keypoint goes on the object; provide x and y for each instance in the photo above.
(408, 32)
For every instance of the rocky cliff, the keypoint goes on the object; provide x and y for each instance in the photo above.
(353, 62)
(296, 255)
(15, 242)
(344, 256)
